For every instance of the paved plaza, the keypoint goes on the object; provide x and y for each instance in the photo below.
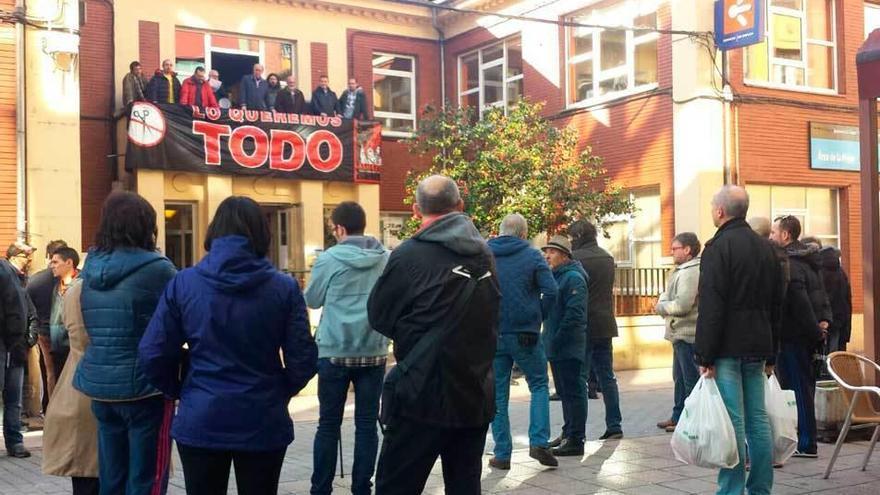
(642, 463)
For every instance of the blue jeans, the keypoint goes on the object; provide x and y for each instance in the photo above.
(11, 383)
(533, 362)
(795, 372)
(600, 359)
(685, 374)
(133, 439)
(741, 383)
(333, 382)
(572, 390)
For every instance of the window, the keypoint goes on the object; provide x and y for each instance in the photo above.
(491, 76)
(800, 47)
(605, 63)
(179, 234)
(394, 93)
(872, 18)
(815, 207)
(390, 224)
(635, 241)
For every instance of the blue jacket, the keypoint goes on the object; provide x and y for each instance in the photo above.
(120, 292)
(238, 315)
(251, 96)
(341, 282)
(565, 329)
(524, 277)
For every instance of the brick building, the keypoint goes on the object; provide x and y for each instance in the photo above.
(652, 102)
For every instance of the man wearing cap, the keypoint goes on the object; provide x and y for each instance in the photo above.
(565, 340)
(13, 344)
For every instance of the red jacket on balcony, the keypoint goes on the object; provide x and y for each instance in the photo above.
(198, 93)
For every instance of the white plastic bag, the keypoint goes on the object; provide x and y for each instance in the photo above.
(782, 411)
(704, 435)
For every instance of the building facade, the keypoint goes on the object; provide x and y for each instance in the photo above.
(672, 117)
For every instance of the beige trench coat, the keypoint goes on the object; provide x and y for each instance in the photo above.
(70, 434)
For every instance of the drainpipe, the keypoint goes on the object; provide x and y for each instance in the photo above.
(441, 41)
(20, 123)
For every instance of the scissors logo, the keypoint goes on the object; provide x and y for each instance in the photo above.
(738, 12)
(147, 125)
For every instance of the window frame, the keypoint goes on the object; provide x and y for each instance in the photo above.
(377, 114)
(182, 233)
(481, 68)
(630, 226)
(595, 56)
(260, 53)
(804, 64)
(870, 6)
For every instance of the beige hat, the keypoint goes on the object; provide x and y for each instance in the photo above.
(559, 242)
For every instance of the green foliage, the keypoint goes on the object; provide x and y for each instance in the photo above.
(514, 163)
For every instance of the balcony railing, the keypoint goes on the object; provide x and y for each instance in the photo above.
(636, 290)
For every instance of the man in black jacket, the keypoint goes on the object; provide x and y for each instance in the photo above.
(455, 391)
(164, 87)
(806, 315)
(740, 290)
(602, 327)
(41, 289)
(290, 99)
(324, 100)
(14, 314)
(839, 292)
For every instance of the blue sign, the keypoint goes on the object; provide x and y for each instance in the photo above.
(834, 147)
(738, 23)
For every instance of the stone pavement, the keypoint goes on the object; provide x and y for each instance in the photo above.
(642, 463)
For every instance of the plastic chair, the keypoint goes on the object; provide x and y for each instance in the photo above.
(853, 373)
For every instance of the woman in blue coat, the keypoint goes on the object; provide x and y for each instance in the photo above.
(239, 317)
(123, 278)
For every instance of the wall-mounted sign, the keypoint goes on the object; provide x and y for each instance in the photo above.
(834, 147)
(738, 23)
(249, 142)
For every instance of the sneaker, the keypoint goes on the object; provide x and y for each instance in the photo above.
(666, 424)
(569, 448)
(499, 463)
(18, 451)
(612, 435)
(543, 456)
(808, 455)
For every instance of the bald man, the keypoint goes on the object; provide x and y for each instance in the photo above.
(438, 300)
(737, 328)
(254, 91)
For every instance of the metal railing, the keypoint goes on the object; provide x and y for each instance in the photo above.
(636, 290)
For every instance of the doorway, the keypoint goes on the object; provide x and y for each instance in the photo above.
(232, 67)
(285, 229)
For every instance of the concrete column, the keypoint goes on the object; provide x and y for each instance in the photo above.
(368, 198)
(312, 197)
(698, 125)
(151, 185)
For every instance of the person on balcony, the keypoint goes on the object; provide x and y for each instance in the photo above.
(353, 102)
(324, 100)
(273, 88)
(197, 92)
(291, 99)
(599, 265)
(253, 90)
(164, 86)
(678, 306)
(134, 84)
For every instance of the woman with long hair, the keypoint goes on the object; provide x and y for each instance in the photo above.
(250, 350)
(122, 279)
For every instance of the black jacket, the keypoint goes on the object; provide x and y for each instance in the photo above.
(324, 102)
(414, 296)
(14, 313)
(839, 292)
(157, 90)
(805, 301)
(40, 288)
(740, 296)
(599, 265)
(290, 101)
(360, 105)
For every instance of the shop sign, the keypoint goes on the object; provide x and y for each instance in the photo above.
(738, 23)
(250, 142)
(834, 147)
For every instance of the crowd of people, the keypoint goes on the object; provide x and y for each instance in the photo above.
(137, 353)
(204, 89)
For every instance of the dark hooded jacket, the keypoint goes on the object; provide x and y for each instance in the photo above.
(806, 303)
(566, 327)
(120, 291)
(14, 313)
(527, 286)
(599, 265)
(414, 296)
(839, 292)
(157, 89)
(239, 316)
(740, 296)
